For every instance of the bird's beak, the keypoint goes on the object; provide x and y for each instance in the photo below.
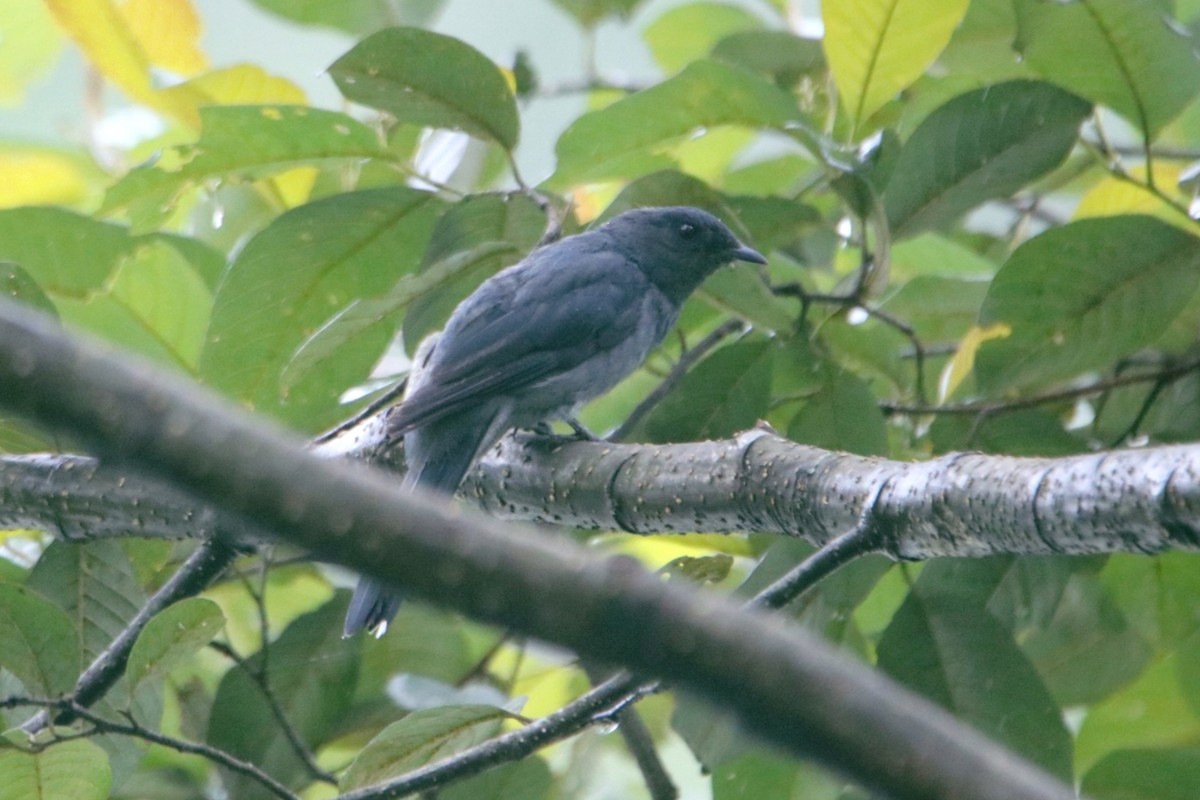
(744, 253)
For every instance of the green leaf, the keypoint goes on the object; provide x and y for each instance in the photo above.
(346, 327)
(589, 12)
(37, 642)
(755, 776)
(18, 284)
(154, 303)
(1125, 55)
(981, 145)
(172, 637)
(605, 144)
(843, 415)
(876, 48)
(1169, 774)
(94, 583)
(421, 738)
(1080, 296)
(354, 16)
(727, 392)
(429, 79)
(1088, 650)
(698, 569)
(956, 654)
(939, 309)
(75, 770)
(311, 670)
(781, 55)
(528, 779)
(475, 224)
(336, 250)
(66, 253)
(245, 141)
(742, 290)
(1024, 432)
(685, 33)
(1151, 712)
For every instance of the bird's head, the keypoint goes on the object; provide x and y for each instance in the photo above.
(678, 247)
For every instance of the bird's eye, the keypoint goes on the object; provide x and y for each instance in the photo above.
(687, 230)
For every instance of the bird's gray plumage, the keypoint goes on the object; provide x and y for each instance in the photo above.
(543, 337)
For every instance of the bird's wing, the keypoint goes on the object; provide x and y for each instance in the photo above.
(526, 330)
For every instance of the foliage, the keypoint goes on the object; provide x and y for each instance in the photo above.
(977, 216)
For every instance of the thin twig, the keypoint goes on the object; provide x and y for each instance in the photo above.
(261, 680)
(1167, 374)
(208, 561)
(132, 728)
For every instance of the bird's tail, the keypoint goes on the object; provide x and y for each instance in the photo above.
(441, 459)
(371, 609)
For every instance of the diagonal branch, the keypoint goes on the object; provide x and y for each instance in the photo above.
(784, 684)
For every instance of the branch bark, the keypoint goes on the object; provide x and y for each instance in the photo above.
(783, 683)
(962, 504)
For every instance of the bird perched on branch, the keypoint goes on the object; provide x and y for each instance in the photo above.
(541, 338)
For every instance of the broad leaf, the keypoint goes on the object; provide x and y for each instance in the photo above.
(66, 253)
(19, 285)
(172, 637)
(784, 56)
(293, 276)
(622, 139)
(76, 770)
(1151, 712)
(685, 33)
(843, 415)
(242, 141)
(421, 738)
(429, 79)
(1088, 650)
(154, 303)
(528, 779)
(94, 583)
(1125, 55)
(469, 232)
(37, 642)
(311, 670)
(982, 145)
(876, 48)
(1082, 295)
(956, 654)
(727, 392)
(354, 16)
(1145, 774)
(589, 12)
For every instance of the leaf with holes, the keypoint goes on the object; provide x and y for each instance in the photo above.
(429, 79)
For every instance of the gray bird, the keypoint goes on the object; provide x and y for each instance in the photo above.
(541, 338)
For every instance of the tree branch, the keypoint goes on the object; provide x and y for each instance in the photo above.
(783, 683)
(203, 566)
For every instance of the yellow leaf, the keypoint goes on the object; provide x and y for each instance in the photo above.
(1113, 196)
(294, 187)
(241, 85)
(168, 32)
(100, 31)
(32, 177)
(959, 367)
(876, 48)
(29, 43)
